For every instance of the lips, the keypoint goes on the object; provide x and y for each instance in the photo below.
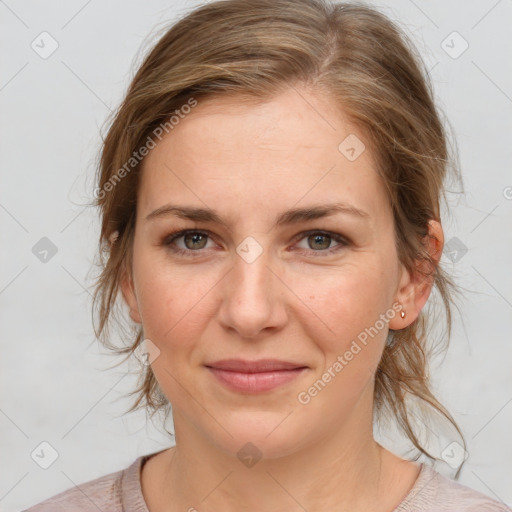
(255, 376)
(263, 365)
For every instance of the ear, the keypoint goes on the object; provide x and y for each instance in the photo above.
(414, 288)
(129, 296)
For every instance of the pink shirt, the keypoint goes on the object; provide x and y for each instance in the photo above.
(121, 492)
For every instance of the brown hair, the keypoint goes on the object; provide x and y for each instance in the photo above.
(370, 69)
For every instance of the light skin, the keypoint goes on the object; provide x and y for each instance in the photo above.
(296, 302)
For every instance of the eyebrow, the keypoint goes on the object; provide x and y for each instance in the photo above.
(293, 216)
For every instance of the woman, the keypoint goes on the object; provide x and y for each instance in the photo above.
(269, 192)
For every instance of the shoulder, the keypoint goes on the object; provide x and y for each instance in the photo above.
(434, 492)
(108, 492)
(103, 493)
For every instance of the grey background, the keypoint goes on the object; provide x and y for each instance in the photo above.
(55, 381)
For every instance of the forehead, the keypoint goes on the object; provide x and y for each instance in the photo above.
(238, 154)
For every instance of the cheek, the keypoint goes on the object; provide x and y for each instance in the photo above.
(174, 311)
(344, 322)
(173, 301)
(345, 302)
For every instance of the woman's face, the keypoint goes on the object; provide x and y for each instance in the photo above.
(303, 291)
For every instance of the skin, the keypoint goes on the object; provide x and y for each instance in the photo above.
(250, 162)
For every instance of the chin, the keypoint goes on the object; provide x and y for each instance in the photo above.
(260, 434)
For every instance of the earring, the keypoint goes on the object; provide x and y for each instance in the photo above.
(113, 237)
(402, 314)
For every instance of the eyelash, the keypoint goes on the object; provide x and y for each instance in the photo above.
(171, 237)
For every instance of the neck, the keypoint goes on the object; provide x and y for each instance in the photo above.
(331, 474)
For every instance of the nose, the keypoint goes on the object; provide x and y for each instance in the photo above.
(253, 298)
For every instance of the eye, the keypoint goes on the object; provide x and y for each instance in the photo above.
(194, 241)
(320, 241)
